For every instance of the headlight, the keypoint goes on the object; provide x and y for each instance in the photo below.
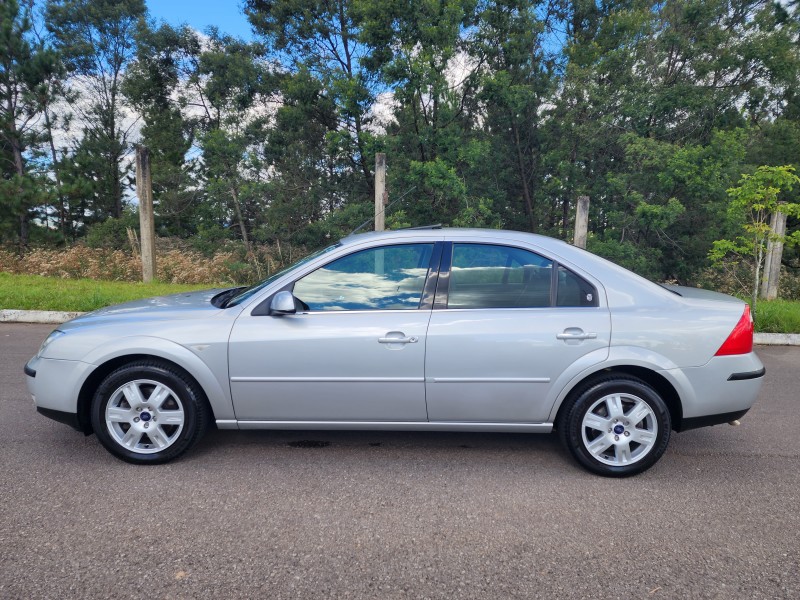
(49, 340)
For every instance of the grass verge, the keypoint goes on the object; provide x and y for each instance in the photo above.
(778, 316)
(33, 292)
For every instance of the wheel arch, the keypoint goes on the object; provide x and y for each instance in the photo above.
(96, 377)
(658, 382)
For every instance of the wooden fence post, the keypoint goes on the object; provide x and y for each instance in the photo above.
(147, 234)
(772, 264)
(581, 221)
(380, 191)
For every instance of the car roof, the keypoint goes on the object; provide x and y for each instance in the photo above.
(438, 233)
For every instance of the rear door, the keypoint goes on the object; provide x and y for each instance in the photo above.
(507, 322)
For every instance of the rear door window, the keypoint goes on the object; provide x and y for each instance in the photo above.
(489, 276)
(496, 276)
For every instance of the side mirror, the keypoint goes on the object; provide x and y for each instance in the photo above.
(282, 303)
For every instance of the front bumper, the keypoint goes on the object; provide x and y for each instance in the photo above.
(70, 419)
(55, 385)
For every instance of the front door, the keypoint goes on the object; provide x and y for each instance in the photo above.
(355, 352)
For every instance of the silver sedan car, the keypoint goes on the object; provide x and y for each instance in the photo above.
(423, 329)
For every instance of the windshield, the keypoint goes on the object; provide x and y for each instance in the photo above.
(248, 292)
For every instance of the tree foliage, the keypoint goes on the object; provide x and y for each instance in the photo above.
(493, 113)
(25, 68)
(752, 202)
(96, 41)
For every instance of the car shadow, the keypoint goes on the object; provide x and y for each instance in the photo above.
(363, 443)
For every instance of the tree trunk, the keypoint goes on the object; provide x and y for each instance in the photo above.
(62, 211)
(237, 207)
(573, 159)
(19, 169)
(24, 232)
(526, 194)
(117, 191)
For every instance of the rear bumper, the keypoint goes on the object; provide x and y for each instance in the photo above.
(748, 375)
(709, 420)
(720, 391)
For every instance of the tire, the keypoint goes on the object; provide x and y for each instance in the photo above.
(148, 412)
(616, 426)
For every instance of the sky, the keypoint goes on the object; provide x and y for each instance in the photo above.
(227, 15)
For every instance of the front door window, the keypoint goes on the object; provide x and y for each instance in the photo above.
(386, 278)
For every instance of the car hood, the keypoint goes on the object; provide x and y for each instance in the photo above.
(189, 305)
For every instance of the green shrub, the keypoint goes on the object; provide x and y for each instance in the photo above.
(112, 233)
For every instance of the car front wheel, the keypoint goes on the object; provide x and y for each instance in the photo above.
(148, 412)
(616, 427)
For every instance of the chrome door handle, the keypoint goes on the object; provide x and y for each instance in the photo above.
(576, 336)
(398, 340)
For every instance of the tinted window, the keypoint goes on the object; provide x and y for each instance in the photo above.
(574, 290)
(386, 278)
(487, 276)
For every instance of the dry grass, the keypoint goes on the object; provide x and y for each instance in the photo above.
(736, 280)
(174, 265)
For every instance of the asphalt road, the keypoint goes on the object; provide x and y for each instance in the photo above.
(398, 515)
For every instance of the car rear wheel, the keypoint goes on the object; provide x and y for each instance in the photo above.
(616, 426)
(148, 412)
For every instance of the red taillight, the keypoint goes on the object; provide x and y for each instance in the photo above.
(740, 341)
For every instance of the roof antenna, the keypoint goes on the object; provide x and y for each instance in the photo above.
(385, 208)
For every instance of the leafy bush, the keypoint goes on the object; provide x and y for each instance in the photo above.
(112, 233)
(643, 261)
